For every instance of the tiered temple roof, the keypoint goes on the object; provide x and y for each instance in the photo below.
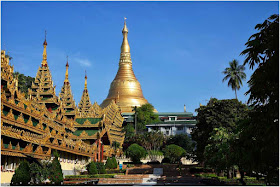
(42, 90)
(85, 104)
(66, 97)
(43, 122)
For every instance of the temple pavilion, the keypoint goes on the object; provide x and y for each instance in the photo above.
(36, 126)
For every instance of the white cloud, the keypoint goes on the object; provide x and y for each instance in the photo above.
(83, 62)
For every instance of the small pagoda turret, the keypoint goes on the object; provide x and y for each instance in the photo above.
(85, 104)
(42, 88)
(66, 97)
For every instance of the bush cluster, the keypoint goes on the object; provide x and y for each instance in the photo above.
(22, 174)
(135, 153)
(111, 163)
(38, 172)
(174, 153)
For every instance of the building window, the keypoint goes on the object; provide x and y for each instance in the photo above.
(179, 128)
(172, 118)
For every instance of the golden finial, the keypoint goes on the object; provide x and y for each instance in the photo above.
(66, 73)
(45, 42)
(85, 79)
(44, 62)
(125, 46)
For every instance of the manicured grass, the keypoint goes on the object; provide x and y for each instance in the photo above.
(92, 176)
(235, 181)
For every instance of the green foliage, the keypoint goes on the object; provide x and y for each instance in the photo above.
(145, 115)
(129, 131)
(235, 74)
(39, 171)
(174, 153)
(115, 146)
(109, 164)
(24, 82)
(91, 168)
(218, 153)
(156, 153)
(92, 176)
(183, 141)
(217, 113)
(56, 175)
(135, 153)
(100, 167)
(261, 131)
(22, 174)
(114, 163)
(152, 142)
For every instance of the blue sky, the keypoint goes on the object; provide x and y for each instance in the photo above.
(179, 49)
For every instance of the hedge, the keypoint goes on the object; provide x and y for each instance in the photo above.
(92, 176)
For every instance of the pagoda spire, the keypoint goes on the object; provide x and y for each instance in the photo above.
(44, 61)
(125, 88)
(66, 96)
(125, 46)
(66, 73)
(85, 79)
(85, 104)
(42, 88)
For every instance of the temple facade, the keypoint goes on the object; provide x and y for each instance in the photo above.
(36, 126)
(125, 89)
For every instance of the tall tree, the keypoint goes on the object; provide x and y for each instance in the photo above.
(262, 130)
(235, 74)
(217, 113)
(145, 115)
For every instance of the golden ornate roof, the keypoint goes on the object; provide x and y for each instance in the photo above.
(66, 97)
(42, 88)
(125, 89)
(85, 104)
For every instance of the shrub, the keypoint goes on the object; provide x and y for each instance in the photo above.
(91, 168)
(135, 153)
(109, 164)
(114, 163)
(100, 168)
(174, 153)
(22, 174)
(56, 175)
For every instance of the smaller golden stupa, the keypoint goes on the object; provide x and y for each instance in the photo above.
(125, 89)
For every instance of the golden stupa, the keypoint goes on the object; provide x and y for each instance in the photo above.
(125, 89)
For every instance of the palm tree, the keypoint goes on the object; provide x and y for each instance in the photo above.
(235, 74)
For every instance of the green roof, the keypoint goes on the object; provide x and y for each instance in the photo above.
(177, 122)
(91, 120)
(186, 114)
(89, 132)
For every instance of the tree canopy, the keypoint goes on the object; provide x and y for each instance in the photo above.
(234, 74)
(261, 131)
(217, 113)
(145, 115)
(24, 82)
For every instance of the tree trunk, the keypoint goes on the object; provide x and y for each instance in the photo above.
(235, 94)
(242, 177)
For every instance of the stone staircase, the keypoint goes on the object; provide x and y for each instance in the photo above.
(123, 179)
